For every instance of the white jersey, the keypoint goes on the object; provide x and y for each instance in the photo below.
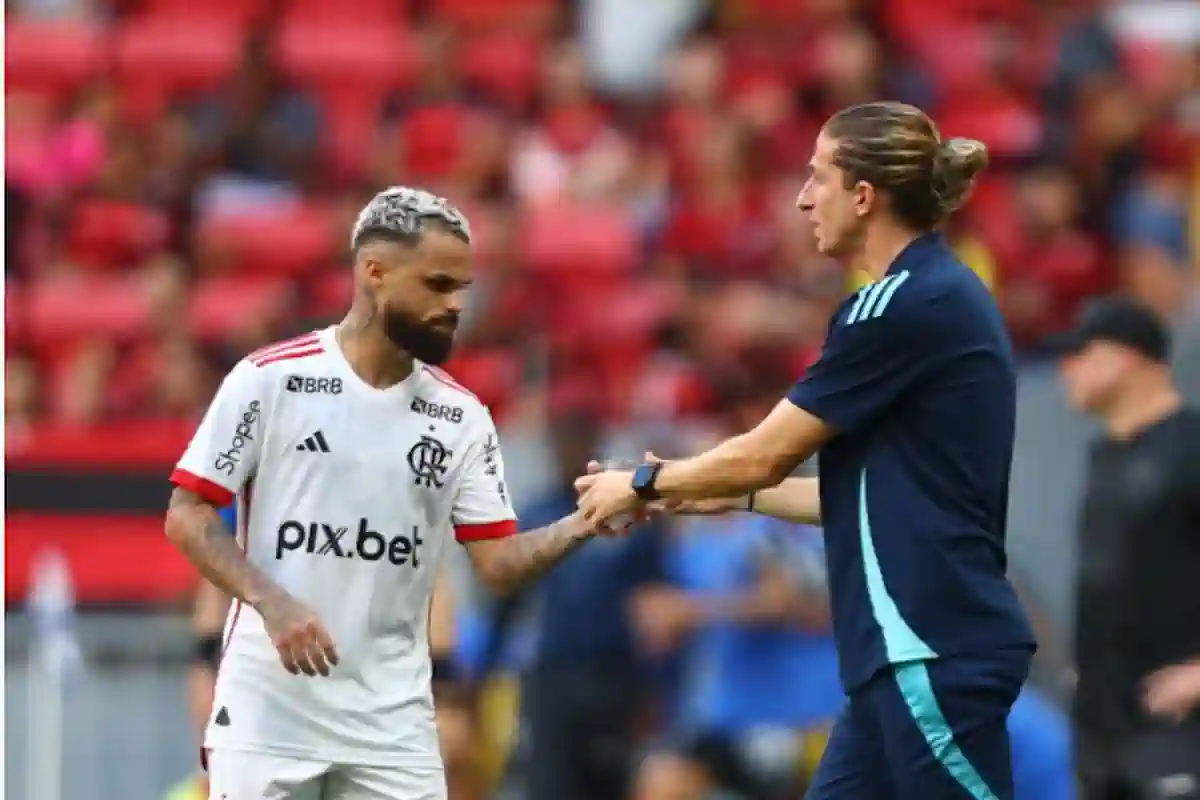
(348, 496)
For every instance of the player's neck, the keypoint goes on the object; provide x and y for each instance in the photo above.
(370, 353)
(881, 246)
(1146, 403)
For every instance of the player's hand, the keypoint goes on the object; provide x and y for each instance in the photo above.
(302, 641)
(1173, 693)
(605, 495)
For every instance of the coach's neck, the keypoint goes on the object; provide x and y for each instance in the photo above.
(371, 354)
(883, 242)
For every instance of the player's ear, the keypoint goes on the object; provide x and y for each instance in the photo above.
(864, 198)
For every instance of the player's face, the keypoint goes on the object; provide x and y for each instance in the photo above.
(837, 214)
(1093, 376)
(421, 295)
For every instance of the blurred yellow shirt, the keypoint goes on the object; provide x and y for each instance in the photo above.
(191, 789)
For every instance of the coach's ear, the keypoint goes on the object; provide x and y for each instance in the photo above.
(864, 198)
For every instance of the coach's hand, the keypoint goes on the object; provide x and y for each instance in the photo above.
(722, 505)
(302, 641)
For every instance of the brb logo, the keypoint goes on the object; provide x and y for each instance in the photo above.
(323, 539)
(437, 410)
(301, 384)
(243, 434)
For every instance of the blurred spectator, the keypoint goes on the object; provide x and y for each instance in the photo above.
(1150, 224)
(625, 39)
(1137, 701)
(82, 391)
(585, 691)
(1050, 266)
(23, 399)
(758, 678)
(572, 152)
(256, 137)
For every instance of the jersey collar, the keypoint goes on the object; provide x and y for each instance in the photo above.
(401, 389)
(917, 251)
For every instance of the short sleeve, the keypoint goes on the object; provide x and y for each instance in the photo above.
(225, 450)
(482, 507)
(866, 364)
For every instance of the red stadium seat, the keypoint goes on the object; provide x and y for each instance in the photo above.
(576, 239)
(162, 56)
(63, 309)
(111, 233)
(287, 242)
(351, 129)
(222, 304)
(493, 375)
(505, 66)
(331, 293)
(1007, 123)
(434, 138)
(359, 10)
(16, 329)
(332, 54)
(52, 57)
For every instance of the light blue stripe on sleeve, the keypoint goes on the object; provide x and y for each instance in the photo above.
(900, 640)
(873, 298)
(917, 690)
(862, 296)
(895, 282)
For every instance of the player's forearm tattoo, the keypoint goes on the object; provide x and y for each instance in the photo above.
(518, 560)
(195, 527)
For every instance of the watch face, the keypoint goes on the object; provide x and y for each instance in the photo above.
(643, 479)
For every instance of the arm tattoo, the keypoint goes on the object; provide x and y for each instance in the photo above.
(510, 563)
(195, 527)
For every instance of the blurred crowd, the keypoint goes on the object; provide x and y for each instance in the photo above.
(174, 199)
(180, 179)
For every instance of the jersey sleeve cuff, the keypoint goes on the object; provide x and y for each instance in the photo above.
(820, 407)
(486, 530)
(214, 493)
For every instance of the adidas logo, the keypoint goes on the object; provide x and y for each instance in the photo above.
(314, 444)
(222, 717)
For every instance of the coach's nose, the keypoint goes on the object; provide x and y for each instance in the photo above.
(803, 200)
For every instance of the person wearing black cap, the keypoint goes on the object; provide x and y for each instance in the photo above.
(1137, 699)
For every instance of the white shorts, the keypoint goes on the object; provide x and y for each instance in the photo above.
(239, 775)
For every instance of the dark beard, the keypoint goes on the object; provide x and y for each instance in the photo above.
(421, 341)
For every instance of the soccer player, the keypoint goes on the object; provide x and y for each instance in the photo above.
(355, 463)
(911, 407)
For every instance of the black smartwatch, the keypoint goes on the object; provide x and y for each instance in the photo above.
(643, 482)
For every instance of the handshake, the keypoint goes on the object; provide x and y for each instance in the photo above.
(609, 503)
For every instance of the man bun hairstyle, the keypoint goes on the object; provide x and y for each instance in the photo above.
(898, 149)
(401, 214)
(957, 163)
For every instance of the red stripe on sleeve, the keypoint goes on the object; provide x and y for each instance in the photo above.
(486, 530)
(212, 492)
(288, 355)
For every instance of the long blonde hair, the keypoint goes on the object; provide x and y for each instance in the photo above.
(898, 149)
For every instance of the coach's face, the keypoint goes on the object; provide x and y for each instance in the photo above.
(420, 293)
(837, 213)
(1094, 374)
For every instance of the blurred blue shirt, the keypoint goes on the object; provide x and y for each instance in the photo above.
(229, 517)
(584, 600)
(737, 677)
